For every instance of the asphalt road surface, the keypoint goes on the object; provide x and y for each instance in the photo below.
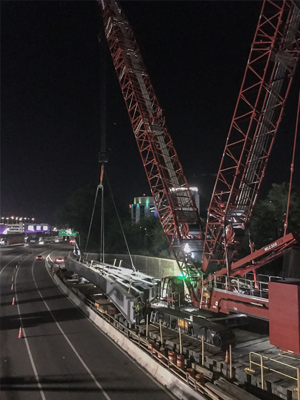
(61, 354)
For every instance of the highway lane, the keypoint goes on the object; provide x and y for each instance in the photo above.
(62, 354)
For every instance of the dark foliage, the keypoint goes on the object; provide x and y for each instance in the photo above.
(145, 238)
(269, 215)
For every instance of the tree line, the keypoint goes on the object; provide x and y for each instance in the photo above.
(147, 236)
(120, 233)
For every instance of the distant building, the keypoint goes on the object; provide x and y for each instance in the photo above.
(142, 207)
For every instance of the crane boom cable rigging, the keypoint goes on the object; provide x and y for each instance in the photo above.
(92, 218)
(102, 237)
(103, 154)
(286, 222)
(119, 220)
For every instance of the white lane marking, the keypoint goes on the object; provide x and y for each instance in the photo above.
(10, 263)
(27, 345)
(116, 344)
(22, 259)
(68, 341)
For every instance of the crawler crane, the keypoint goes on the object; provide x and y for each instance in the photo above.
(208, 272)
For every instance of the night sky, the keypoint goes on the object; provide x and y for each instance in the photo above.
(195, 53)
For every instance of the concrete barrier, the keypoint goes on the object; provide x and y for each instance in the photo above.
(179, 388)
(153, 266)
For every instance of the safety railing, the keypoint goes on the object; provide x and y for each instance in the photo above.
(272, 365)
(241, 286)
(155, 352)
(263, 277)
(151, 348)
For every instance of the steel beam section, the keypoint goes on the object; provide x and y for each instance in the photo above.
(173, 199)
(121, 285)
(270, 69)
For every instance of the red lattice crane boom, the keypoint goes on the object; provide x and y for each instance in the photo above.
(269, 72)
(270, 69)
(173, 199)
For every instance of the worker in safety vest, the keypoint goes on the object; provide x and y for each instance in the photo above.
(138, 311)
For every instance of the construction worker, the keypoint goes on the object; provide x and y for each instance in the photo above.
(147, 311)
(138, 311)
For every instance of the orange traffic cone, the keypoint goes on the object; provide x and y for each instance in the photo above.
(16, 266)
(13, 302)
(226, 357)
(20, 333)
(12, 278)
(12, 287)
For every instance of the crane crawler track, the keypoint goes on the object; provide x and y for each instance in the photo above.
(216, 336)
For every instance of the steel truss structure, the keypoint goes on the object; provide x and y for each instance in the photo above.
(173, 199)
(258, 112)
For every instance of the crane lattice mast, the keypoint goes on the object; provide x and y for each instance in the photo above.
(172, 197)
(269, 72)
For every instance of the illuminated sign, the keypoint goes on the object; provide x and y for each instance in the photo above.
(36, 228)
(15, 228)
(66, 232)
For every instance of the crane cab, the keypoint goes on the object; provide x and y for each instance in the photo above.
(172, 291)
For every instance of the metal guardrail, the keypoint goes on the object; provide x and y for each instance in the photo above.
(242, 286)
(142, 343)
(262, 365)
(155, 353)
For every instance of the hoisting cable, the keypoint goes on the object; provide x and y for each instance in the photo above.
(101, 257)
(123, 233)
(292, 167)
(100, 186)
(102, 154)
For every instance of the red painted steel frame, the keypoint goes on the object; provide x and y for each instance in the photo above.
(226, 302)
(172, 196)
(267, 79)
(262, 256)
